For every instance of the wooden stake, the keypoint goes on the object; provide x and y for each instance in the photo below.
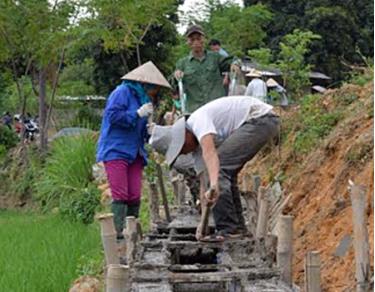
(118, 277)
(285, 248)
(361, 244)
(131, 239)
(262, 221)
(312, 272)
(108, 235)
(163, 192)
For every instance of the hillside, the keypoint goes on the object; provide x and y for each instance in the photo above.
(327, 140)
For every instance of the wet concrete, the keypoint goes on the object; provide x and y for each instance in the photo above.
(169, 259)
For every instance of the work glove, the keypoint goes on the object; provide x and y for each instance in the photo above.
(145, 110)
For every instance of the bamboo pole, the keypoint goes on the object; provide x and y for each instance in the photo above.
(163, 192)
(108, 235)
(262, 221)
(285, 248)
(132, 237)
(312, 272)
(361, 243)
(117, 279)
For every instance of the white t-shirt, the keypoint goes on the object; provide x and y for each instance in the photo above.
(222, 116)
(257, 88)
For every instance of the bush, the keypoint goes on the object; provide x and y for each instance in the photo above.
(87, 117)
(316, 124)
(66, 180)
(8, 138)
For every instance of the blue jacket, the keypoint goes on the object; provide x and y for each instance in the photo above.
(123, 133)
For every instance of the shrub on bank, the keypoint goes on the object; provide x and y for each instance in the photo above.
(65, 181)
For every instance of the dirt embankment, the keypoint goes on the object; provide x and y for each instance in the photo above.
(318, 182)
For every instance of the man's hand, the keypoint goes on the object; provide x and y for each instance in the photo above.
(178, 74)
(145, 110)
(150, 128)
(212, 195)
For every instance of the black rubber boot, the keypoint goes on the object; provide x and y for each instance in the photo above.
(119, 211)
(133, 210)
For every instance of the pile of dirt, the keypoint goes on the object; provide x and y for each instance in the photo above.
(318, 182)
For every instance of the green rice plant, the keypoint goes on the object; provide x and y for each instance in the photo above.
(45, 252)
(66, 179)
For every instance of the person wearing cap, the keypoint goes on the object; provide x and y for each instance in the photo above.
(256, 87)
(215, 46)
(122, 137)
(222, 136)
(201, 71)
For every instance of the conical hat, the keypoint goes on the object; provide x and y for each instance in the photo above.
(271, 83)
(254, 73)
(147, 73)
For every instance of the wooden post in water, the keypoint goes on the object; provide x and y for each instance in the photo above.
(262, 221)
(312, 272)
(117, 279)
(285, 248)
(361, 244)
(154, 203)
(108, 235)
(132, 237)
(163, 192)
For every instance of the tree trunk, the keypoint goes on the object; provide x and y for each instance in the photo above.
(43, 111)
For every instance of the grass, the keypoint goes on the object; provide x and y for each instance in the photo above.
(44, 252)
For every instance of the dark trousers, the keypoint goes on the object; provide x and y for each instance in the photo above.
(240, 147)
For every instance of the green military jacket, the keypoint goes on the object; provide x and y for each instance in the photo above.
(203, 80)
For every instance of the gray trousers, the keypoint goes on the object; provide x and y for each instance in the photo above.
(240, 147)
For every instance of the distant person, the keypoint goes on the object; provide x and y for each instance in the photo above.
(122, 138)
(257, 87)
(7, 120)
(201, 71)
(215, 46)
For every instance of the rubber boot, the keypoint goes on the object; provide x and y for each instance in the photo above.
(119, 211)
(133, 210)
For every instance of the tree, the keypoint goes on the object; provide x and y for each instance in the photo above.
(33, 37)
(291, 59)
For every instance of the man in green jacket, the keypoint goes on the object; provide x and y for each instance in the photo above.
(201, 71)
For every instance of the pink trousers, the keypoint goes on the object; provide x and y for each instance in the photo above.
(125, 179)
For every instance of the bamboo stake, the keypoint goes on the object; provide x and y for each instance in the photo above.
(154, 203)
(262, 221)
(117, 279)
(163, 192)
(285, 248)
(108, 235)
(131, 239)
(312, 272)
(361, 244)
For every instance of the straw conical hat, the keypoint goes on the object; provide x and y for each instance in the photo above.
(271, 83)
(147, 73)
(254, 73)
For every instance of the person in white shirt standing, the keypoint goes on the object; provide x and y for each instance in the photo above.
(257, 87)
(222, 135)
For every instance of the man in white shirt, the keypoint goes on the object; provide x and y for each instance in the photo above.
(222, 135)
(256, 87)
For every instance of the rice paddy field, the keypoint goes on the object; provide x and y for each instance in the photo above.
(46, 252)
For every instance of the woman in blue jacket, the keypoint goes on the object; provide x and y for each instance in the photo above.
(122, 138)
